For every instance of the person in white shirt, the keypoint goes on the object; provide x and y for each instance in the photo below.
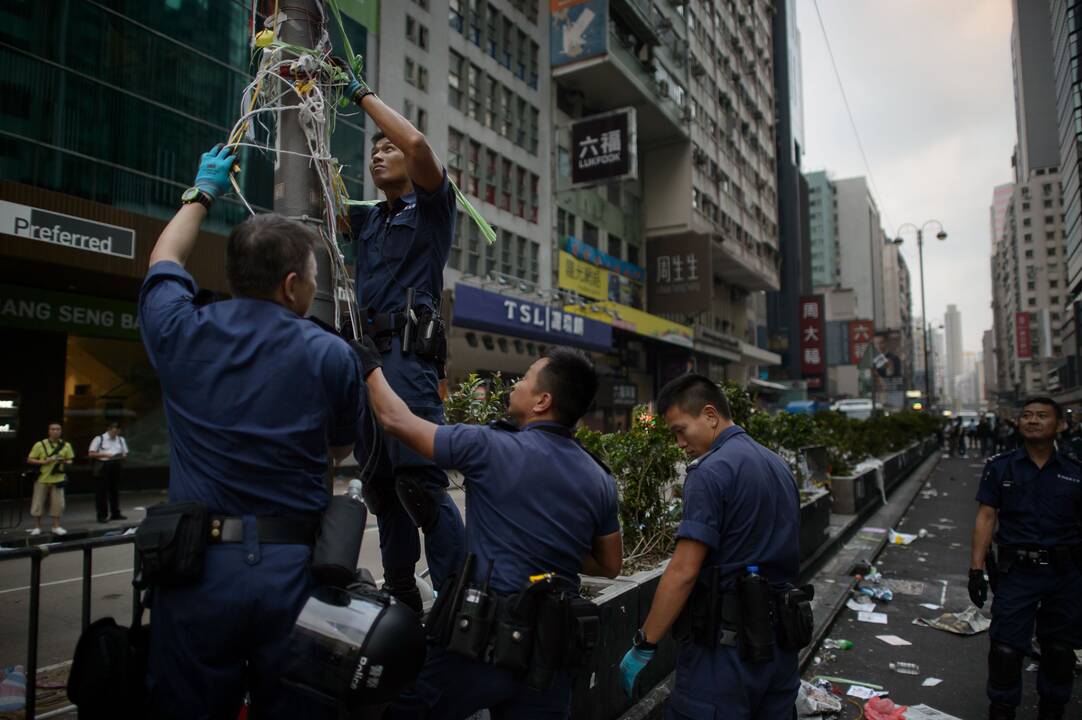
(108, 450)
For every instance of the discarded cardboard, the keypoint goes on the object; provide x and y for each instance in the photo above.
(893, 640)
(923, 712)
(877, 618)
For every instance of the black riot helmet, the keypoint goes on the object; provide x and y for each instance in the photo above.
(354, 647)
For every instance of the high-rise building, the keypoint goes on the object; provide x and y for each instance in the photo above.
(897, 329)
(988, 361)
(1029, 269)
(1066, 19)
(823, 230)
(109, 107)
(952, 329)
(793, 211)
(860, 247)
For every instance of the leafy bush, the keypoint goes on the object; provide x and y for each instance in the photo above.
(477, 401)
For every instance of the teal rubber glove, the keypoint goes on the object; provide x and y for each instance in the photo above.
(214, 168)
(355, 86)
(632, 664)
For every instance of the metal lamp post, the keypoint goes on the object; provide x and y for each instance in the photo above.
(940, 235)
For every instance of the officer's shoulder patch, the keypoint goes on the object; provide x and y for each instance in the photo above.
(1072, 457)
(997, 456)
(502, 424)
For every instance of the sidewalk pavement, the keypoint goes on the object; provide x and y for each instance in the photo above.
(933, 570)
(80, 518)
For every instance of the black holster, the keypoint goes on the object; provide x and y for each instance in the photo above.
(172, 544)
(700, 620)
(796, 623)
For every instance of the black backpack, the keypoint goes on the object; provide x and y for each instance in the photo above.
(109, 670)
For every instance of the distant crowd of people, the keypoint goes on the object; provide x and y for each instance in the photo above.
(990, 436)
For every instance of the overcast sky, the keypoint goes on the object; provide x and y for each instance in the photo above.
(929, 82)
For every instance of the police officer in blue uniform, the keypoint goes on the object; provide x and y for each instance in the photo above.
(740, 519)
(402, 246)
(258, 400)
(536, 503)
(1035, 494)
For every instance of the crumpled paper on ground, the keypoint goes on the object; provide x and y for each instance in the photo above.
(812, 702)
(968, 622)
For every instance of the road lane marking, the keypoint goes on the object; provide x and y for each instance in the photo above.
(68, 580)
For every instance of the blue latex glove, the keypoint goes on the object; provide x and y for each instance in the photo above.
(632, 664)
(214, 167)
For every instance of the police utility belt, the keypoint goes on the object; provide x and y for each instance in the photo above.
(753, 617)
(533, 633)
(172, 541)
(1061, 557)
(420, 328)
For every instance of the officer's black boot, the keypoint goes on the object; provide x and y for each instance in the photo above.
(402, 586)
(1050, 711)
(1001, 711)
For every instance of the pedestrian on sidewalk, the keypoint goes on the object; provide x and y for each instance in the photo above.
(108, 451)
(53, 454)
(1034, 494)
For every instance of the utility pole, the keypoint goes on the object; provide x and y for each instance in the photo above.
(296, 193)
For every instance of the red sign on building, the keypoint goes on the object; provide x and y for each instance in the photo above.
(861, 333)
(1023, 340)
(813, 360)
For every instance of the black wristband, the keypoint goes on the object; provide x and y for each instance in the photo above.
(361, 94)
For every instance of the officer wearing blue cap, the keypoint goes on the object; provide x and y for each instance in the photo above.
(740, 525)
(258, 401)
(403, 244)
(1035, 495)
(536, 504)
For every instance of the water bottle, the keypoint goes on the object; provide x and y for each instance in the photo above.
(334, 559)
(905, 668)
(832, 644)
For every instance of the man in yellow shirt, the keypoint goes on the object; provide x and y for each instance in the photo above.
(53, 454)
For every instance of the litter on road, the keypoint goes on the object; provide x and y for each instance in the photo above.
(812, 701)
(862, 603)
(862, 692)
(923, 712)
(968, 622)
(872, 617)
(931, 682)
(893, 640)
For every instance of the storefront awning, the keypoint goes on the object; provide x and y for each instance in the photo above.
(636, 321)
(758, 354)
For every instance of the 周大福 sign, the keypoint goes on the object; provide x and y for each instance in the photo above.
(66, 230)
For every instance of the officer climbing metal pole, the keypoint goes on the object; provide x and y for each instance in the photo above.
(295, 186)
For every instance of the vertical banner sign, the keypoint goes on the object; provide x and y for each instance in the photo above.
(861, 333)
(1023, 341)
(578, 29)
(812, 355)
(603, 148)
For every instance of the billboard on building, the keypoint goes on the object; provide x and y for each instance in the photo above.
(603, 148)
(581, 277)
(812, 341)
(578, 29)
(1023, 340)
(680, 274)
(861, 333)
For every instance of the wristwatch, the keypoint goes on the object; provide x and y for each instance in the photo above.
(640, 641)
(362, 94)
(194, 194)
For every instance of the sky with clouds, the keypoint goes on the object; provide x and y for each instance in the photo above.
(929, 83)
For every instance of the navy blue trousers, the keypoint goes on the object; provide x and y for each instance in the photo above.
(228, 634)
(451, 687)
(1041, 599)
(715, 683)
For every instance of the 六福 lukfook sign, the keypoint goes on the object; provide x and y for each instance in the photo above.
(601, 148)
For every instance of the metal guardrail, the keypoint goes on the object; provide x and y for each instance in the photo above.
(37, 555)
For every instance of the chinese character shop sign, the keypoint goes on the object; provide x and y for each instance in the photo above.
(679, 274)
(1023, 340)
(603, 148)
(483, 310)
(812, 341)
(861, 333)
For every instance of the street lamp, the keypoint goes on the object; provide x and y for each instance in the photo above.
(940, 235)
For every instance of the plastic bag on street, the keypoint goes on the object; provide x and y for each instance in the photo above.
(881, 708)
(814, 702)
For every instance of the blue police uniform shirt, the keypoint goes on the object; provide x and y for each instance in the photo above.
(741, 501)
(401, 246)
(535, 501)
(253, 396)
(1037, 506)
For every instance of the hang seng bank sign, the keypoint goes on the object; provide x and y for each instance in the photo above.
(603, 148)
(65, 230)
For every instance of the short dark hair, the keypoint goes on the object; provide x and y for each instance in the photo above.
(263, 250)
(691, 393)
(377, 137)
(569, 376)
(113, 424)
(1044, 400)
